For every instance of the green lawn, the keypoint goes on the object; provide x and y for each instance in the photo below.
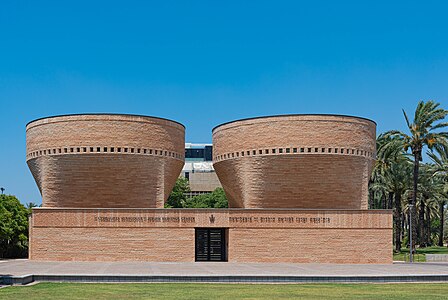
(225, 291)
(420, 255)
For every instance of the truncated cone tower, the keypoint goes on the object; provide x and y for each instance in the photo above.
(295, 161)
(105, 160)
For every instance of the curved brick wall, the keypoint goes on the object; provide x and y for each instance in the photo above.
(105, 161)
(295, 161)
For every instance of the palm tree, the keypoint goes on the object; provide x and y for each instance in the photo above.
(423, 132)
(30, 205)
(391, 177)
(440, 170)
(429, 191)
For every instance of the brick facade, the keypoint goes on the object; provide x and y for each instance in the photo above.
(297, 161)
(296, 185)
(306, 236)
(105, 160)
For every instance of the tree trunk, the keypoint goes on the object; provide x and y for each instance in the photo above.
(398, 221)
(421, 224)
(428, 227)
(371, 196)
(390, 200)
(413, 218)
(403, 225)
(442, 220)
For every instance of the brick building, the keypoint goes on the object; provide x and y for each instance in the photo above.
(296, 161)
(198, 169)
(297, 190)
(118, 161)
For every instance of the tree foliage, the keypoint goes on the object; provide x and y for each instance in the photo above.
(416, 187)
(391, 178)
(216, 199)
(13, 227)
(439, 170)
(178, 196)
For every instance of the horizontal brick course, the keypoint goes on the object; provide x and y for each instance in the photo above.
(332, 171)
(338, 236)
(137, 164)
(355, 246)
(101, 176)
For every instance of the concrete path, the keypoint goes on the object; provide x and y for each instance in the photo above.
(22, 267)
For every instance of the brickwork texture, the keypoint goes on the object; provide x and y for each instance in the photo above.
(295, 161)
(296, 185)
(105, 160)
(295, 236)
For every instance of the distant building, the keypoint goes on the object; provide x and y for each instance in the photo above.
(198, 169)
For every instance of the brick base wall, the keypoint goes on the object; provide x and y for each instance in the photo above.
(357, 246)
(164, 235)
(113, 244)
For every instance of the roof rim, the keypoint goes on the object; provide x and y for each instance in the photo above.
(104, 114)
(291, 115)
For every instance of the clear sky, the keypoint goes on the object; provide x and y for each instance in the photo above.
(206, 62)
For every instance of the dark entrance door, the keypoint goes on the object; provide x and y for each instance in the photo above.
(210, 244)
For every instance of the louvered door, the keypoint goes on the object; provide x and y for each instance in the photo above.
(210, 244)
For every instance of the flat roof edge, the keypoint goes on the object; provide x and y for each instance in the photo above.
(217, 209)
(103, 114)
(291, 115)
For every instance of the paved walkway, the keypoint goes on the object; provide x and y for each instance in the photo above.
(20, 267)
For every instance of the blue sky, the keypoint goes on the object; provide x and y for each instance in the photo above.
(206, 62)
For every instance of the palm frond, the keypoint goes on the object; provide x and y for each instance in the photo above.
(407, 119)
